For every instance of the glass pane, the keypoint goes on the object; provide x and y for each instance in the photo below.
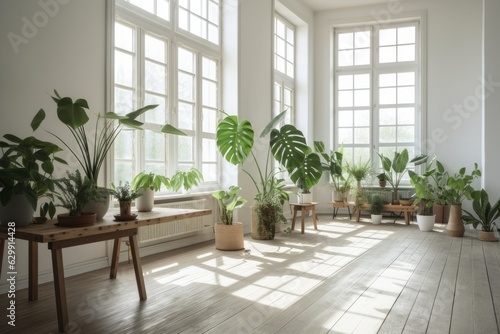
(362, 98)
(186, 87)
(345, 118)
(158, 114)
(406, 134)
(406, 53)
(184, 3)
(280, 64)
(288, 97)
(345, 82)
(290, 35)
(362, 39)
(361, 135)
(124, 101)
(209, 120)
(154, 145)
(209, 150)
(186, 116)
(157, 168)
(406, 94)
(387, 37)
(209, 172)
(362, 118)
(196, 26)
(184, 167)
(388, 151)
(124, 37)
(346, 58)
(155, 48)
(163, 9)
(361, 154)
(387, 80)
(186, 60)
(183, 19)
(280, 47)
(387, 54)
(387, 135)
(345, 98)
(213, 13)
(213, 34)
(147, 5)
(124, 69)
(345, 136)
(209, 69)
(185, 148)
(406, 35)
(289, 69)
(387, 96)
(346, 41)
(195, 6)
(387, 116)
(155, 77)
(406, 79)
(209, 92)
(124, 145)
(406, 116)
(362, 57)
(362, 81)
(123, 171)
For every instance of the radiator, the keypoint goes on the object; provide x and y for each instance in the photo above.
(178, 228)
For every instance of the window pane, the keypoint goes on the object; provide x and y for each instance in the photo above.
(406, 79)
(346, 98)
(362, 81)
(406, 115)
(186, 86)
(185, 148)
(186, 60)
(345, 118)
(209, 172)
(387, 54)
(183, 19)
(209, 92)
(406, 53)
(124, 101)
(123, 143)
(209, 120)
(155, 77)
(124, 37)
(209, 150)
(209, 69)
(124, 69)
(362, 39)
(406, 95)
(154, 148)
(361, 135)
(406, 134)
(346, 58)
(388, 135)
(387, 116)
(387, 80)
(186, 116)
(163, 9)
(158, 114)
(362, 118)
(362, 57)
(155, 48)
(345, 82)
(345, 136)
(406, 35)
(387, 37)
(123, 171)
(362, 98)
(346, 41)
(387, 96)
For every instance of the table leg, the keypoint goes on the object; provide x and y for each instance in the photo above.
(114, 259)
(294, 216)
(358, 215)
(302, 216)
(137, 267)
(60, 288)
(349, 210)
(407, 218)
(314, 218)
(33, 270)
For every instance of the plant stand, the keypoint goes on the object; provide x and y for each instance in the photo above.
(304, 208)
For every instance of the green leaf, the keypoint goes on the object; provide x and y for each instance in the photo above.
(308, 173)
(235, 139)
(273, 124)
(170, 129)
(140, 111)
(13, 138)
(38, 119)
(70, 114)
(288, 146)
(400, 161)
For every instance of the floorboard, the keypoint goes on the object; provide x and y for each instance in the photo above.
(345, 277)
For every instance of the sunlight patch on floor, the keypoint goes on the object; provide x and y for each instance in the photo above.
(159, 269)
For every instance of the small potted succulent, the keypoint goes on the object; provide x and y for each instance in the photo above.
(125, 195)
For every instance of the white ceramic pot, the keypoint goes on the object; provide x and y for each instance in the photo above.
(376, 219)
(146, 201)
(18, 211)
(425, 223)
(305, 198)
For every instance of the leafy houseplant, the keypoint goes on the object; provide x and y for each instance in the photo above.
(485, 215)
(359, 171)
(425, 195)
(228, 236)
(185, 179)
(235, 141)
(334, 165)
(146, 184)
(125, 195)
(73, 193)
(90, 152)
(26, 168)
(382, 180)
(377, 205)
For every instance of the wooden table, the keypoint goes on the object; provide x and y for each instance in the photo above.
(406, 209)
(58, 238)
(304, 208)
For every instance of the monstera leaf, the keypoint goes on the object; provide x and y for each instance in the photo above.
(235, 139)
(288, 146)
(308, 173)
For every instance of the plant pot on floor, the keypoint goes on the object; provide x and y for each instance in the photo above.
(376, 219)
(264, 220)
(487, 236)
(18, 211)
(442, 213)
(455, 226)
(425, 223)
(229, 237)
(85, 219)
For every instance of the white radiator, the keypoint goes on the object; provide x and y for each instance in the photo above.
(178, 228)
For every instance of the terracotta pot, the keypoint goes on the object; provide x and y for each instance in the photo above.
(442, 213)
(125, 208)
(229, 237)
(382, 183)
(265, 229)
(86, 219)
(455, 224)
(487, 236)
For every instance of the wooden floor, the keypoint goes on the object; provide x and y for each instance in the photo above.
(343, 278)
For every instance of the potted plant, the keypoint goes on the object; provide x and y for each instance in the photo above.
(459, 187)
(91, 151)
(377, 205)
(229, 235)
(125, 195)
(74, 191)
(425, 194)
(359, 172)
(185, 180)
(26, 168)
(485, 215)
(382, 180)
(146, 184)
(334, 165)
(235, 141)
(396, 168)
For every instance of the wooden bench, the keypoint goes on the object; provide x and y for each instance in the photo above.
(407, 210)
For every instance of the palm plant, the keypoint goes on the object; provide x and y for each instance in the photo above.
(486, 214)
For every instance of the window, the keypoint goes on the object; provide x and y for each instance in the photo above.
(284, 67)
(181, 77)
(377, 90)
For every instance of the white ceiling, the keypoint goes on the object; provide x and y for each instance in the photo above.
(318, 5)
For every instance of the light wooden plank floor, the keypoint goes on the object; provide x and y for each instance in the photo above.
(343, 278)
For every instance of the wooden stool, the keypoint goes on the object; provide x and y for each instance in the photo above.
(304, 208)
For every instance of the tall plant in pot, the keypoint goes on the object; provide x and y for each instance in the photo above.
(485, 215)
(26, 169)
(229, 235)
(91, 151)
(235, 141)
(333, 164)
(425, 196)
(359, 171)
(377, 205)
(459, 187)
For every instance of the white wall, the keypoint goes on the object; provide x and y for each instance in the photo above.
(454, 69)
